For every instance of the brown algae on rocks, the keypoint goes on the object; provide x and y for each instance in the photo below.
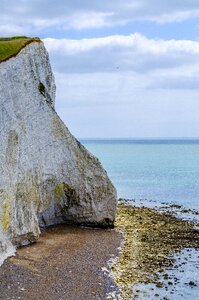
(151, 238)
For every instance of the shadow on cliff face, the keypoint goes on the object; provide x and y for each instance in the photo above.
(66, 208)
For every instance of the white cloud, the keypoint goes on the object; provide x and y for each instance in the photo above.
(127, 86)
(89, 20)
(133, 53)
(121, 105)
(8, 30)
(34, 16)
(134, 41)
(175, 16)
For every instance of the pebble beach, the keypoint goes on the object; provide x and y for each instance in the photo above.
(142, 258)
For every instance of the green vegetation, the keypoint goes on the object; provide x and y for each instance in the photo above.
(11, 46)
(59, 190)
(6, 213)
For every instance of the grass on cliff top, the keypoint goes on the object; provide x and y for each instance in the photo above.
(11, 46)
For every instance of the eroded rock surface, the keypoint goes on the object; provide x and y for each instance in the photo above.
(46, 176)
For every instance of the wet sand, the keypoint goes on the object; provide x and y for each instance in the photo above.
(66, 263)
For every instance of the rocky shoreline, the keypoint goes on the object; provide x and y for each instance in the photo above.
(80, 263)
(152, 240)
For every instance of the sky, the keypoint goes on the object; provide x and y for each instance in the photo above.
(123, 68)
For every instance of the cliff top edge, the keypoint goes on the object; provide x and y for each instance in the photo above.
(11, 46)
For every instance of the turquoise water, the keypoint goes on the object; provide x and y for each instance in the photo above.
(160, 170)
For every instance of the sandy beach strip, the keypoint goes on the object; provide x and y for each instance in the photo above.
(66, 263)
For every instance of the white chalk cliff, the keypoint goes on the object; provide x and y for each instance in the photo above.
(46, 176)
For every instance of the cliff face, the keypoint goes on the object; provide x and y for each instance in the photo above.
(46, 176)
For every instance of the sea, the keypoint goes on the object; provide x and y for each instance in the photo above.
(159, 170)
(160, 173)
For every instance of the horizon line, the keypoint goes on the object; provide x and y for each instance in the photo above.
(138, 138)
